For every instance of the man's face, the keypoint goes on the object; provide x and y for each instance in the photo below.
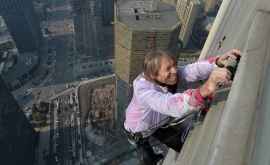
(167, 73)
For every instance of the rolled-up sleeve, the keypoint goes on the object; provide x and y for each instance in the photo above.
(175, 105)
(197, 71)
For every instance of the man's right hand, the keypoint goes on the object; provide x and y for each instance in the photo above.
(219, 76)
(222, 61)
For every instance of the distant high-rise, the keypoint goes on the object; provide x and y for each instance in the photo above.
(17, 137)
(83, 25)
(107, 10)
(87, 24)
(22, 23)
(93, 36)
(140, 26)
(211, 6)
(188, 11)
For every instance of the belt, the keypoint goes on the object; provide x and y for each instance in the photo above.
(136, 137)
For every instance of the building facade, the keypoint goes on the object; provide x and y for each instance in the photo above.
(22, 23)
(17, 138)
(107, 11)
(89, 68)
(188, 11)
(90, 17)
(93, 36)
(84, 26)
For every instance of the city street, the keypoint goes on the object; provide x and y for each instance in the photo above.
(56, 54)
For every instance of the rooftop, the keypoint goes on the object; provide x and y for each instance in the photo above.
(141, 15)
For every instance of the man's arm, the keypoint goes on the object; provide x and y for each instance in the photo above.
(197, 71)
(175, 105)
(201, 70)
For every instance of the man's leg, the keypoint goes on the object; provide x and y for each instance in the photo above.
(146, 153)
(174, 136)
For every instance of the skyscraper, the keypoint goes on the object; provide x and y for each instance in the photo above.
(87, 24)
(22, 24)
(188, 11)
(17, 137)
(140, 27)
(107, 10)
(210, 5)
(93, 36)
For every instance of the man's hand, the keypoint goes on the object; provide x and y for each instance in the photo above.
(219, 76)
(222, 60)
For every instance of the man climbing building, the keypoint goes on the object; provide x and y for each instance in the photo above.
(155, 101)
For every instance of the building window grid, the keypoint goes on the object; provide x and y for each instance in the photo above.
(151, 41)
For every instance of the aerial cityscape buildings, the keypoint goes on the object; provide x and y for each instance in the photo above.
(74, 93)
(21, 42)
(93, 21)
(82, 123)
(85, 27)
(23, 24)
(90, 17)
(188, 11)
